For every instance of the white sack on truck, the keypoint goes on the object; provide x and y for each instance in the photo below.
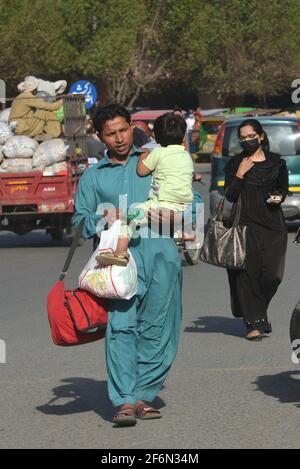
(55, 168)
(52, 88)
(50, 152)
(16, 165)
(5, 132)
(4, 115)
(20, 146)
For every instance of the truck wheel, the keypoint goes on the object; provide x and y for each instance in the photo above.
(57, 234)
(192, 256)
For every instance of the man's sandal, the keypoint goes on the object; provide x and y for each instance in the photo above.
(125, 417)
(109, 258)
(146, 412)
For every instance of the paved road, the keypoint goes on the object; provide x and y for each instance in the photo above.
(222, 391)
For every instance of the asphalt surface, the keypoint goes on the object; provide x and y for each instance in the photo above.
(222, 391)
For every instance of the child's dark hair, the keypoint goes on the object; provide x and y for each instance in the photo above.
(105, 113)
(169, 129)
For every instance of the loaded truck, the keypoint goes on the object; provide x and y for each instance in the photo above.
(34, 200)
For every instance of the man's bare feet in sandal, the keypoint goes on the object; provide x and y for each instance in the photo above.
(144, 411)
(125, 417)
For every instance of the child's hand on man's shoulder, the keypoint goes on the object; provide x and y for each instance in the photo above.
(144, 155)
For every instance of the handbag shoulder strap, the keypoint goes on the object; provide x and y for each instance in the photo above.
(72, 249)
(238, 211)
(219, 211)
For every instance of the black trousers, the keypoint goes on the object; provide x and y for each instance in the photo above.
(252, 289)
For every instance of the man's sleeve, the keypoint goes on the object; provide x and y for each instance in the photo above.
(152, 159)
(86, 206)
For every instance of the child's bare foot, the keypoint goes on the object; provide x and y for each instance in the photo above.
(188, 237)
(113, 258)
(197, 177)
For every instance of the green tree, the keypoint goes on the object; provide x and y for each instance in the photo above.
(139, 46)
(133, 44)
(32, 40)
(248, 46)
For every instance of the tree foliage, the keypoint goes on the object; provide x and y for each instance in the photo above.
(249, 46)
(222, 48)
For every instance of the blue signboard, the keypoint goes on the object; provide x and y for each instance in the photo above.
(88, 89)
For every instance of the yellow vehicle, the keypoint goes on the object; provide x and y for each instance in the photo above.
(207, 136)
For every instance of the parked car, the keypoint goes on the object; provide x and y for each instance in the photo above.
(284, 137)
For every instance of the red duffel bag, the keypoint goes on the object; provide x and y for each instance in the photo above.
(75, 316)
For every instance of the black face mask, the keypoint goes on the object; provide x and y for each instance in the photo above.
(250, 146)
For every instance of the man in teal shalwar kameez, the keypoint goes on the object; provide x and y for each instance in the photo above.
(143, 333)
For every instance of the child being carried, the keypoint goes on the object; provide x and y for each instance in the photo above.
(171, 188)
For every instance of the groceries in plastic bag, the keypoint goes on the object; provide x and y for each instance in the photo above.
(16, 165)
(55, 168)
(50, 152)
(5, 132)
(110, 281)
(20, 146)
(4, 115)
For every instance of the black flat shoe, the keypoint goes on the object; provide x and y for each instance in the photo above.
(268, 329)
(255, 338)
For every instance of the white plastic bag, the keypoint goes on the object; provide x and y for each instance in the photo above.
(5, 132)
(111, 281)
(50, 152)
(20, 146)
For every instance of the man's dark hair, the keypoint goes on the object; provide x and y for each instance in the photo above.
(169, 129)
(106, 113)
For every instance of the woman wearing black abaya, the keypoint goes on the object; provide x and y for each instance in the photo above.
(261, 178)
